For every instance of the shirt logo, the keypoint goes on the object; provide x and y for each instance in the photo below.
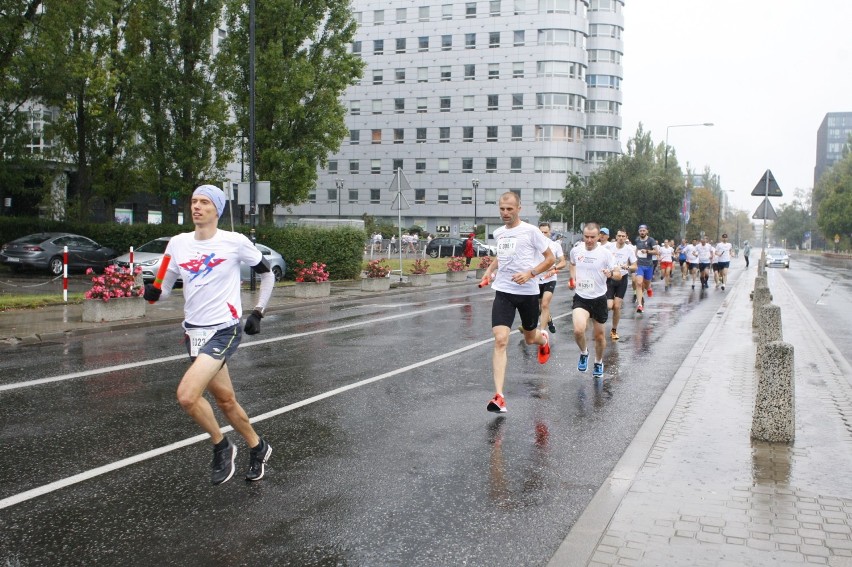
(201, 266)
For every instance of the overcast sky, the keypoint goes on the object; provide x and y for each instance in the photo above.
(765, 72)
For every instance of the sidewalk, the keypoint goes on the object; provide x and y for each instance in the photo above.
(692, 489)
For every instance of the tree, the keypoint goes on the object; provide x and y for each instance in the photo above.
(835, 207)
(302, 68)
(794, 221)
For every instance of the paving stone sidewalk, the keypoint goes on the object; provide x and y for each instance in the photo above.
(693, 489)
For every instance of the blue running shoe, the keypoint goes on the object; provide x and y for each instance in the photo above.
(583, 365)
(597, 371)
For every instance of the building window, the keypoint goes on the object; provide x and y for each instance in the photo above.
(375, 196)
(445, 104)
(557, 6)
(602, 107)
(551, 165)
(332, 166)
(399, 75)
(560, 37)
(353, 196)
(376, 106)
(559, 101)
(353, 166)
(470, 10)
(490, 196)
(517, 133)
(519, 38)
(443, 196)
(332, 195)
(467, 165)
(378, 47)
(312, 195)
(378, 17)
(421, 135)
(518, 70)
(446, 42)
(398, 135)
(399, 105)
(354, 107)
(468, 103)
(517, 101)
(470, 41)
(446, 73)
(420, 196)
(354, 137)
(466, 196)
(421, 105)
(401, 15)
(467, 133)
(375, 166)
(400, 44)
(444, 134)
(491, 133)
(490, 164)
(494, 8)
(420, 166)
(554, 133)
(377, 136)
(469, 72)
(356, 47)
(423, 13)
(493, 70)
(423, 74)
(515, 165)
(443, 165)
(493, 39)
(423, 43)
(447, 12)
(493, 101)
(397, 165)
(560, 69)
(604, 56)
(604, 5)
(603, 81)
(378, 76)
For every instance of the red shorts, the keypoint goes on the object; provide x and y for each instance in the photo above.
(665, 265)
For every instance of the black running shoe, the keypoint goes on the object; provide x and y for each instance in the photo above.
(223, 463)
(257, 460)
(550, 326)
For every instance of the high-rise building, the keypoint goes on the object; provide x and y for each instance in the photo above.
(471, 99)
(832, 137)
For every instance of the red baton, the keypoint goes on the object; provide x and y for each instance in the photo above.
(161, 273)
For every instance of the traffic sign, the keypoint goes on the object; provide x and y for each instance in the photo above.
(765, 211)
(766, 187)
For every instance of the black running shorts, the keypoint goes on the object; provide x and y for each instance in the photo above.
(616, 288)
(596, 307)
(547, 286)
(505, 304)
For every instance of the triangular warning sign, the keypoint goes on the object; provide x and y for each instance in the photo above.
(767, 186)
(400, 203)
(765, 211)
(400, 182)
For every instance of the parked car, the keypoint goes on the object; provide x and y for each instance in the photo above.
(492, 250)
(446, 246)
(777, 257)
(150, 255)
(44, 251)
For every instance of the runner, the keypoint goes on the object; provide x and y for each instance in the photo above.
(625, 260)
(646, 248)
(516, 288)
(723, 254)
(681, 258)
(705, 254)
(746, 251)
(691, 251)
(603, 237)
(208, 260)
(714, 265)
(590, 267)
(547, 280)
(666, 255)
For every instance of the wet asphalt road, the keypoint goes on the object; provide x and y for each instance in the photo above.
(383, 451)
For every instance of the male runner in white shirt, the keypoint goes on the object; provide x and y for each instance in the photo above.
(723, 256)
(625, 260)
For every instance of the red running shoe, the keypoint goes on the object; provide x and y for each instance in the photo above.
(639, 309)
(544, 350)
(650, 292)
(497, 404)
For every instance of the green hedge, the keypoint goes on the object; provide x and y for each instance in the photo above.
(341, 248)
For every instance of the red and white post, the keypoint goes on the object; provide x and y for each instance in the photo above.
(131, 259)
(65, 274)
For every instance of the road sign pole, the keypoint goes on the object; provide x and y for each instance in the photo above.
(765, 206)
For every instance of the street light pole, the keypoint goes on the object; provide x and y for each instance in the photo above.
(475, 183)
(719, 223)
(666, 159)
(339, 184)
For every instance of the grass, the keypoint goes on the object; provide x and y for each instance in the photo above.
(436, 265)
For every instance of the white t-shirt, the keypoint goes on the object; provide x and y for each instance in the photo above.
(556, 248)
(666, 253)
(517, 250)
(624, 256)
(210, 270)
(723, 251)
(591, 280)
(705, 252)
(691, 253)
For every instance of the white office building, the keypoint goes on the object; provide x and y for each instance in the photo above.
(471, 99)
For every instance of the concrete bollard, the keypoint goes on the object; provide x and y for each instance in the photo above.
(759, 281)
(768, 329)
(774, 418)
(761, 297)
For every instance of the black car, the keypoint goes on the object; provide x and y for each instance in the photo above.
(44, 251)
(446, 247)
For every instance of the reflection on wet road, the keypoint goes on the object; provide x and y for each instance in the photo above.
(383, 451)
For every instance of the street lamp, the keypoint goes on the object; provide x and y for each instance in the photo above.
(666, 160)
(719, 223)
(339, 184)
(475, 183)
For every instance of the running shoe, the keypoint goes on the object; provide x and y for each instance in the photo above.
(634, 298)
(550, 326)
(223, 462)
(613, 334)
(583, 364)
(693, 286)
(640, 308)
(257, 460)
(544, 350)
(650, 292)
(497, 404)
(723, 287)
(597, 370)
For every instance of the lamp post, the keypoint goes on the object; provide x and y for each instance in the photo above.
(719, 223)
(475, 183)
(666, 159)
(339, 184)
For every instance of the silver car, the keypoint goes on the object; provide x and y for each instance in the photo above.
(150, 255)
(44, 251)
(777, 257)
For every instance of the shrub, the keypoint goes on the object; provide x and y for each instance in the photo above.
(420, 266)
(456, 264)
(484, 262)
(313, 273)
(114, 283)
(377, 269)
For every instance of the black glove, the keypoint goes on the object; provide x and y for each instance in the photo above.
(253, 322)
(151, 293)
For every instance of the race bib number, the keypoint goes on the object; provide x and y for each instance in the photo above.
(506, 247)
(197, 339)
(585, 285)
(641, 254)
